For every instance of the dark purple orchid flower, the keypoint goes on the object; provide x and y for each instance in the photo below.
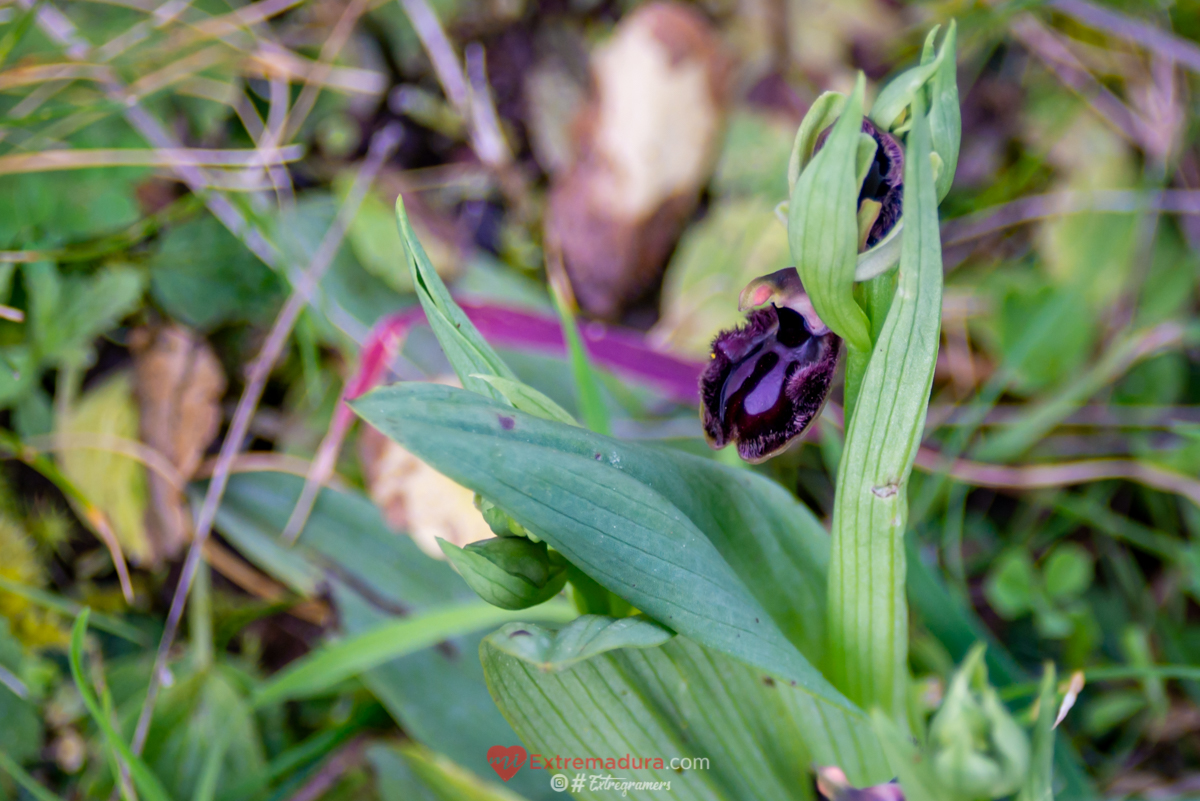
(768, 380)
(884, 183)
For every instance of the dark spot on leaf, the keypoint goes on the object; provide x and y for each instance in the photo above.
(520, 633)
(767, 680)
(506, 423)
(598, 457)
(755, 620)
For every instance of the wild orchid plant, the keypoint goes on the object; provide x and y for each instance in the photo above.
(717, 616)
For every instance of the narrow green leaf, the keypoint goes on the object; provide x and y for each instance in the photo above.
(591, 402)
(341, 660)
(527, 399)
(821, 114)
(1039, 785)
(16, 33)
(823, 226)
(881, 258)
(466, 349)
(144, 779)
(49, 600)
(898, 95)
(412, 772)
(945, 117)
(24, 780)
(868, 613)
(584, 637)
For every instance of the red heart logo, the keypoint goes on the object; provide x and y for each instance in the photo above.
(506, 761)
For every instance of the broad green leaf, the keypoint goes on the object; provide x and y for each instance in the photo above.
(527, 399)
(1011, 585)
(591, 709)
(582, 638)
(768, 733)
(468, 352)
(821, 114)
(114, 483)
(204, 276)
(615, 526)
(343, 659)
(67, 313)
(53, 208)
(868, 610)
(945, 117)
(260, 545)
(771, 541)
(147, 784)
(823, 227)
(760, 735)
(1068, 571)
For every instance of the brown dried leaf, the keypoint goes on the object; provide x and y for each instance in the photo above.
(179, 385)
(648, 139)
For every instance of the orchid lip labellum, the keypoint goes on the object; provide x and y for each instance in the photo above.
(768, 380)
(884, 182)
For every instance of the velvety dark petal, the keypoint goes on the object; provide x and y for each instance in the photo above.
(767, 382)
(884, 182)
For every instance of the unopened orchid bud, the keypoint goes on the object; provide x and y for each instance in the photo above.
(768, 380)
(509, 572)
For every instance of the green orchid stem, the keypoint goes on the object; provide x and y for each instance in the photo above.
(868, 610)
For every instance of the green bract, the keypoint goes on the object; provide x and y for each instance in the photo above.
(823, 226)
(821, 114)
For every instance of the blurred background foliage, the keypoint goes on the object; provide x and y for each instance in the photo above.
(169, 172)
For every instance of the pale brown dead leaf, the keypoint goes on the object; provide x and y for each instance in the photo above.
(417, 499)
(647, 141)
(179, 384)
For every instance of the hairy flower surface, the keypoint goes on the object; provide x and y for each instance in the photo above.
(768, 380)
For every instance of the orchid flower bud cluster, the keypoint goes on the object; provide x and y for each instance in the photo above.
(768, 380)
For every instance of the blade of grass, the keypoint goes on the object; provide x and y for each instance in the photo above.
(147, 783)
(24, 780)
(341, 660)
(57, 603)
